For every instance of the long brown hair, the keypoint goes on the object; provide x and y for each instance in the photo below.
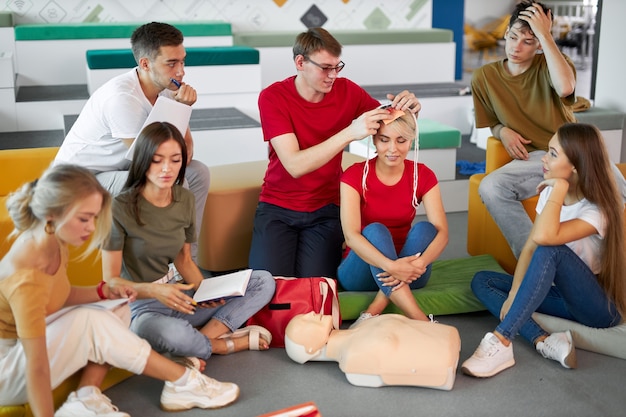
(148, 141)
(584, 147)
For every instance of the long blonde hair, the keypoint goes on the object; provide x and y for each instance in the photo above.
(407, 127)
(584, 147)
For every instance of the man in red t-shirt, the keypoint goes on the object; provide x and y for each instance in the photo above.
(308, 119)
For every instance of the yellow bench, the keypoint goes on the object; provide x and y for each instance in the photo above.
(483, 234)
(226, 235)
(18, 166)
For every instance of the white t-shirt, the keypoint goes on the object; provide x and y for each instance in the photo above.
(115, 111)
(588, 248)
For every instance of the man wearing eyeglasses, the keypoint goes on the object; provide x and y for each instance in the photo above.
(308, 120)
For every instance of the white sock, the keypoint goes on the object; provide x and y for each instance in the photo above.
(86, 391)
(183, 379)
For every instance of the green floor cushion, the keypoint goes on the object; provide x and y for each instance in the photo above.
(610, 341)
(447, 292)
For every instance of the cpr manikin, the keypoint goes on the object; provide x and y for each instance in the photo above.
(389, 349)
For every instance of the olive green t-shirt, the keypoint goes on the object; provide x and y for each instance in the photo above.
(148, 250)
(526, 103)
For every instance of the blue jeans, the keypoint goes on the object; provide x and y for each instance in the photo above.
(503, 190)
(354, 274)
(197, 180)
(576, 294)
(296, 244)
(174, 332)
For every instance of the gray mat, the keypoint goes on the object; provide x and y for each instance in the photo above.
(379, 92)
(31, 139)
(52, 92)
(220, 118)
(202, 119)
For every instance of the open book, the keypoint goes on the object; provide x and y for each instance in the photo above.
(223, 286)
(102, 304)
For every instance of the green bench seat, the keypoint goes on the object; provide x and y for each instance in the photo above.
(433, 46)
(6, 20)
(447, 292)
(437, 143)
(432, 135)
(347, 37)
(41, 32)
(435, 135)
(196, 56)
(37, 43)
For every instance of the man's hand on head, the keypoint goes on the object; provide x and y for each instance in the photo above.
(405, 101)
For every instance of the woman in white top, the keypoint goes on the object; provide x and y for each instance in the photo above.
(572, 265)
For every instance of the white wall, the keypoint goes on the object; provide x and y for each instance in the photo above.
(610, 85)
(244, 15)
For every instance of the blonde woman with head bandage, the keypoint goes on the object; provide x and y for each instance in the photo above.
(379, 199)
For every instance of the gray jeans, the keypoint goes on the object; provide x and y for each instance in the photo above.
(177, 333)
(503, 190)
(197, 180)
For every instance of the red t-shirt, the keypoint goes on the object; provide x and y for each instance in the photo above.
(390, 204)
(284, 111)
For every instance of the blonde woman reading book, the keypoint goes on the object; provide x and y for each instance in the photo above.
(66, 206)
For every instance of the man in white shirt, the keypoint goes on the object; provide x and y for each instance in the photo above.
(115, 113)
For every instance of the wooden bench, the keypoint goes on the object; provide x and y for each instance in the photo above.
(226, 234)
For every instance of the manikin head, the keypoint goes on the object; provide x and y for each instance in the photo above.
(306, 336)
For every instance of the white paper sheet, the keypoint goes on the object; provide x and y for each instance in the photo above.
(166, 110)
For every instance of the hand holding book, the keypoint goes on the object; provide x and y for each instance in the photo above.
(223, 287)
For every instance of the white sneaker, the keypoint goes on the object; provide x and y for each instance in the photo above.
(362, 317)
(559, 347)
(200, 391)
(93, 404)
(490, 358)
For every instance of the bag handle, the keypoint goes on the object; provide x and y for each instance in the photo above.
(324, 286)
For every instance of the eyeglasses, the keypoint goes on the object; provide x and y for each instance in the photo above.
(327, 70)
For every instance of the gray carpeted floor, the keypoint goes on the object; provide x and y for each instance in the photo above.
(533, 387)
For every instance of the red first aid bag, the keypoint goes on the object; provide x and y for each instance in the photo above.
(295, 296)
